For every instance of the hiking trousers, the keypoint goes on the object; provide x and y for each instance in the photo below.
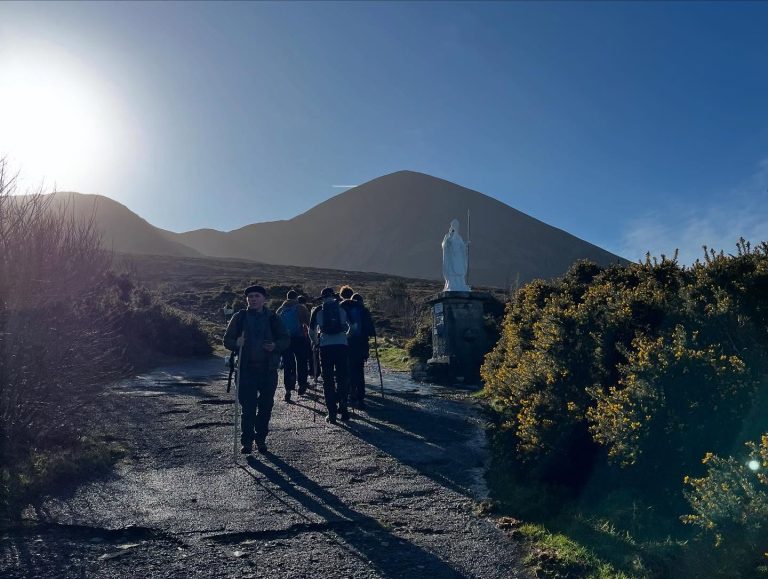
(333, 361)
(295, 363)
(256, 395)
(314, 362)
(357, 354)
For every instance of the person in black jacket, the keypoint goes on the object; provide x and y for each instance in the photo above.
(358, 351)
(295, 318)
(262, 337)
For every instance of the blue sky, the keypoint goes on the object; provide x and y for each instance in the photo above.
(635, 126)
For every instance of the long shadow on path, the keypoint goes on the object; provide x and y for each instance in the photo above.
(363, 536)
(438, 441)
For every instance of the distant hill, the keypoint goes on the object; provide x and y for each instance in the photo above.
(121, 228)
(395, 223)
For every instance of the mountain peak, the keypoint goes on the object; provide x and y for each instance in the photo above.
(394, 224)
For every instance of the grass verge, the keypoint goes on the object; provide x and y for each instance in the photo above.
(393, 357)
(601, 531)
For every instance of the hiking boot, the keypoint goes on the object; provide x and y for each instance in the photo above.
(261, 446)
(331, 419)
(344, 414)
(246, 448)
(287, 397)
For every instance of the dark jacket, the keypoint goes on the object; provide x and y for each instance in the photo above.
(368, 329)
(272, 330)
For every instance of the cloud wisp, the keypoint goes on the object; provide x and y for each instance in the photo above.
(742, 212)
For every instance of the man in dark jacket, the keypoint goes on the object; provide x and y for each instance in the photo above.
(295, 318)
(328, 330)
(262, 337)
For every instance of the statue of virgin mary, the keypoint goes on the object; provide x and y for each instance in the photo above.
(455, 259)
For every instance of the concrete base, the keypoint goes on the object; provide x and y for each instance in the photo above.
(458, 337)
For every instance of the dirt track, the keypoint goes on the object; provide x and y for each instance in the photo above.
(390, 494)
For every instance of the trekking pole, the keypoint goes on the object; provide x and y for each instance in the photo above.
(378, 361)
(314, 375)
(237, 398)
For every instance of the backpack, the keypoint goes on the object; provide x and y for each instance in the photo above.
(331, 318)
(355, 314)
(290, 319)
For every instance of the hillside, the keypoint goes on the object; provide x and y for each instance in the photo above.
(395, 223)
(121, 228)
(391, 225)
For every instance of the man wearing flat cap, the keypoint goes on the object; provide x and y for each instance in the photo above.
(262, 337)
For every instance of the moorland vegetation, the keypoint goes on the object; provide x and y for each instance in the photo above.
(68, 326)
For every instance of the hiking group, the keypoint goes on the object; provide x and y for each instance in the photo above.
(331, 342)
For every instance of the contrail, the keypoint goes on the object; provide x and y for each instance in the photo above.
(343, 186)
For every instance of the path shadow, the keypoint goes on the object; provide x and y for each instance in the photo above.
(364, 538)
(438, 441)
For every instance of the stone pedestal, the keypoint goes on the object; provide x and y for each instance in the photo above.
(458, 337)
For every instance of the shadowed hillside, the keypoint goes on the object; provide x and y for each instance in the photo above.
(394, 224)
(122, 230)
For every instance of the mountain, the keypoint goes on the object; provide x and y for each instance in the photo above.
(394, 224)
(121, 228)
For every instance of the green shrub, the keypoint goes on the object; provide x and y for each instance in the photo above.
(730, 503)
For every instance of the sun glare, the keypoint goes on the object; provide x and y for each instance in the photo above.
(55, 121)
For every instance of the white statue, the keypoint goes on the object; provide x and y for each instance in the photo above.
(455, 257)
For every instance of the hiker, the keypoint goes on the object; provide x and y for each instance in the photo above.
(309, 354)
(361, 328)
(295, 318)
(315, 348)
(262, 337)
(328, 330)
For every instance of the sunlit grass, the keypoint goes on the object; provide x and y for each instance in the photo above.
(393, 357)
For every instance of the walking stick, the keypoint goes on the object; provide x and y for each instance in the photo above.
(237, 398)
(378, 361)
(314, 375)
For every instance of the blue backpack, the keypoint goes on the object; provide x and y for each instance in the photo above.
(290, 319)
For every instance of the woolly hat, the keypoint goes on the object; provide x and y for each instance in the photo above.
(255, 288)
(357, 297)
(291, 295)
(327, 293)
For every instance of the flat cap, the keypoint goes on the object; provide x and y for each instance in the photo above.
(255, 289)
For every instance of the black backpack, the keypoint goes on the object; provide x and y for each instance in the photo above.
(355, 315)
(331, 318)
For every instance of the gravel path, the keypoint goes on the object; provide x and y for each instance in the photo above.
(390, 494)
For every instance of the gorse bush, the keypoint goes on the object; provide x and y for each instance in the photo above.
(650, 365)
(730, 503)
(621, 379)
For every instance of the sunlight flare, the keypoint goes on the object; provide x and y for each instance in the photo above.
(57, 122)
